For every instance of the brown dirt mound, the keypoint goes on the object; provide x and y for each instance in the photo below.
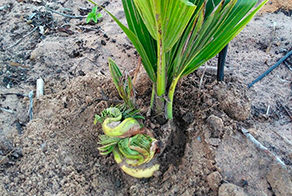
(60, 153)
(277, 5)
(56, 153)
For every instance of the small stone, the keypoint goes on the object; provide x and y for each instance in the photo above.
(118, 183)
(290, 156)
(105, 36)
(214, 180)
(152, 126)
(2, 8)
(81, 73)
(15, 155)
(207, 133)
(175, 190)
(68, 160)
(44, 147)
(42, 30)
(283, 50)
(215, 122)
(103, 42)
(211, 165)
(262, 162)
(37, 1)
(88, 100)
(53, 135)
(189, 117)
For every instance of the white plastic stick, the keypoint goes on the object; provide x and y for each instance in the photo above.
(40, 88)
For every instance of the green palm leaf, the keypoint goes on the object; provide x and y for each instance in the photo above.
(137, 26)
(166, 23)
(227, 30)
(166, 18)
(185, 33)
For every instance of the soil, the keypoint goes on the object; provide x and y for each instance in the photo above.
(206, 153)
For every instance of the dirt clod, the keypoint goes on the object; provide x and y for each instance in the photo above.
(56, 153)
(103, 42)
(214, 180)
(233, 101)
(229, 189)
(215, 122)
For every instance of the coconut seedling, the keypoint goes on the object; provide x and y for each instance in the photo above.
(176, 37)
(133, 145)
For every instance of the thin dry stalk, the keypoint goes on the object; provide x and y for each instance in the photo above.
(137, 71)
(8, 154)
(273, 34)
(260, 146)
(23, 37)
(6, 110)
(284, 138)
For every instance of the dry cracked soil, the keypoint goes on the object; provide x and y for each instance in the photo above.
(206, 153)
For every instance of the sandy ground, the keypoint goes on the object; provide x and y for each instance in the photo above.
(56, 153)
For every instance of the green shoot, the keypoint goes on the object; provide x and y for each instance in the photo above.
(93, 15)
(123, 84)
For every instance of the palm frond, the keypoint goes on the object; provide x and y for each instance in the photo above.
(175, 37)
(137, 26)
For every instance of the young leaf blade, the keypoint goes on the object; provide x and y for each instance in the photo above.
(137, 26)
(236, 21)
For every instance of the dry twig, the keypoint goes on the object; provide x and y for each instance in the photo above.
(65, 15)
(8, 154)
(273, 34)
(284, 138)
(23, 37)
(260, 146)
(17, 94)
(6, 110)
(30, 112)
(201, 81)
(284, 108)
(137, 70)
(287, 65)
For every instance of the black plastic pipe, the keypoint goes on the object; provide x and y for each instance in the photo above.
(221, 63)
(270, 69)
